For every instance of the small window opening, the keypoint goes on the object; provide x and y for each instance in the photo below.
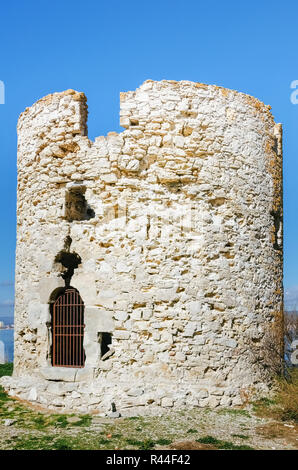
(76, 205)
(106, 340)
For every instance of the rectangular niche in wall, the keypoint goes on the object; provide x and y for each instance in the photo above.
(105, 346)
(76, 205)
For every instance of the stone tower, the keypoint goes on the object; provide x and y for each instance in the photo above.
(167, 238)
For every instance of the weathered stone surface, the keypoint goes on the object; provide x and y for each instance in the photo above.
(167, 402)
(85, 283)
(73, 419)
(121, 334)
(9, 422)
(32, 394)
(38, 315)
(57, 388)
(85, 374)
(114, 414)
(66, 374)
(98, 319)
(178, 226)
(135, 392)
(46, 286)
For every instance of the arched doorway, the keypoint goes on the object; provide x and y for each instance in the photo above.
(68, 329)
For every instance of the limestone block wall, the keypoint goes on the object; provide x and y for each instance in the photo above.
(180, 241)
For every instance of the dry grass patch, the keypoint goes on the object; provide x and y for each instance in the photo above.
(284, 406)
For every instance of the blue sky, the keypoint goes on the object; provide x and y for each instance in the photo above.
(104, 47)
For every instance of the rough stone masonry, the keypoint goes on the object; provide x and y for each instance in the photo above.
(171, 234)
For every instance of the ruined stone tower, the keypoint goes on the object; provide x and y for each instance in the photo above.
(148, 263)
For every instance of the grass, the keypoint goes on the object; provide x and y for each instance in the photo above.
(164, 442)
(208, 440)
(35, 430)
(81, 441)
(287, 398)
(192, 431)
(34, 420)
(235, 412)
(147, 444)
(222, 445)
(44, 431)
(284, 406)
(241, 436)
(3, 396)
(54, 431)
(49, 442)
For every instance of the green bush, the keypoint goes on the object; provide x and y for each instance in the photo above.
(6, 369)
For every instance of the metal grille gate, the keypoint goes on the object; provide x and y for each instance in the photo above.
(68, 330)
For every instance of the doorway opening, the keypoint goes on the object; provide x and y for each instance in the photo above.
(68, 329)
